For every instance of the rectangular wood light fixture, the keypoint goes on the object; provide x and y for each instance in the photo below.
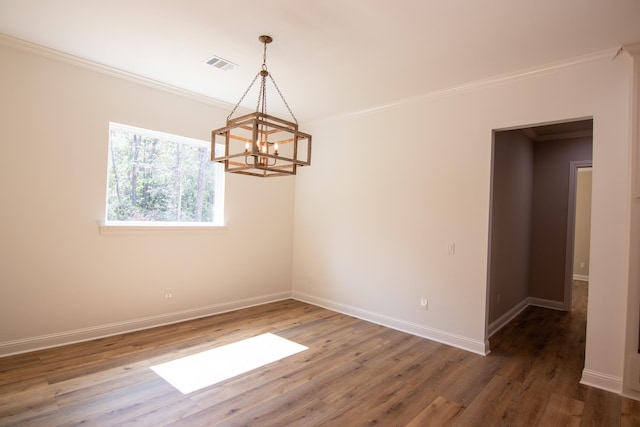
(259, 144)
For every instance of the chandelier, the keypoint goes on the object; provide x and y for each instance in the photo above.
(259, 144)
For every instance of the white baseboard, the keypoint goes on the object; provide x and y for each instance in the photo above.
(581, 277)
(546, 303)
(8, 348)
(630, 394)
(501, 321)
(591, 378)
(600, 380)
(443, 337)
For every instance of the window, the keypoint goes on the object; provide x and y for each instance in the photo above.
(160, 179)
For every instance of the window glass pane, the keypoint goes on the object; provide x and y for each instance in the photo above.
(155, 177)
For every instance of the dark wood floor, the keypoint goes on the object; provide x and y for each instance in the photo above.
(354, 373)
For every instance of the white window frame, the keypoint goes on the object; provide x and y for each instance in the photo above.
(119, 227)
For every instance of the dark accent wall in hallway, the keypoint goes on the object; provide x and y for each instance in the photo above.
(551, 161)
(511, 209)
(530, 202)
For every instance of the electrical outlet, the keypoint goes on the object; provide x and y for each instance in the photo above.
(451, 248)
(168, 293)
(424, 303)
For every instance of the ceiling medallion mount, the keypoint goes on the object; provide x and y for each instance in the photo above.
(259, 144)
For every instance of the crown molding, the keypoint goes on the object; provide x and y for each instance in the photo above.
(86, 64)
(608, 54)
(632, 49)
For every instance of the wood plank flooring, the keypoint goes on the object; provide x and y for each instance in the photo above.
(354, 374)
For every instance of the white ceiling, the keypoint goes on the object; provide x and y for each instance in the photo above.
(328, 56)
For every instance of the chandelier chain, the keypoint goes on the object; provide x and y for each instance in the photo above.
(242, 97)
(282, 97)
(264, 73)
(264, 57)
(260, 95)
(263, 95)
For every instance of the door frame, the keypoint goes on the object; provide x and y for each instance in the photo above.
(571, 229)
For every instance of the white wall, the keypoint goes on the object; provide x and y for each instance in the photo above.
(390, 188)
(60, 279)
(632, 367)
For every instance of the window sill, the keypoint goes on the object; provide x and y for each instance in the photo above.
(137, 228)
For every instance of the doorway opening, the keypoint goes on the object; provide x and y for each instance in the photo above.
(578, 230)
(532, 217)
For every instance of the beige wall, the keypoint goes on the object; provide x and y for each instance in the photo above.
(633, 307)
(512, 200)
(582, 225)
(390, 188)
(61, 280)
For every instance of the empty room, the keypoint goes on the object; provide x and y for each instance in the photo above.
(320, 213)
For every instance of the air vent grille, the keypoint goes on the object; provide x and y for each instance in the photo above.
(221, 64)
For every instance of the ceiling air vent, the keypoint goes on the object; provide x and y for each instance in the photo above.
(221, 64)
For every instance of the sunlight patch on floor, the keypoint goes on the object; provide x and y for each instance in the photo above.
(191, 373)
